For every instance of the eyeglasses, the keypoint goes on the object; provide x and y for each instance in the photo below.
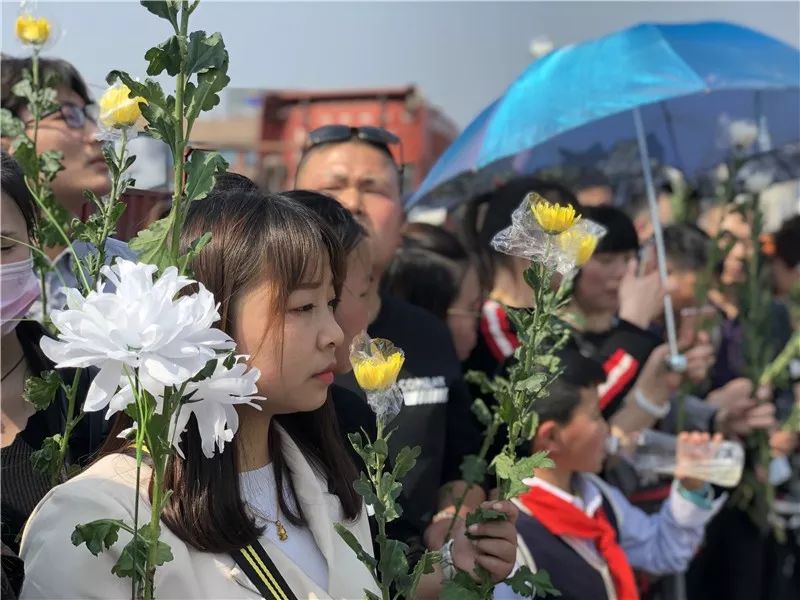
(75, 116)
(378, 136)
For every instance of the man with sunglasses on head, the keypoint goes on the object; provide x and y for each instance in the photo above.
(70, 129)
(357, 167)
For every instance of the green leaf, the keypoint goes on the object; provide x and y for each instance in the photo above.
(165, 9)
(47, 460)
(484, 515)
(514, 472)
(380, 448)
(152, 244)
(201, 170)
(350, 539)
(205, 95)
(482, 412)
(50, 163)
(462, 587)
(134, 555)
(164, 57)
(405, 461)
(205, 52)
(364, 488)
(393, 565)
(473, 469)
(10, 126)
(40, 391)
(531, 384)
(25, 155)
(98, 535)
(193, 251)
(24, 89)
(526, 583)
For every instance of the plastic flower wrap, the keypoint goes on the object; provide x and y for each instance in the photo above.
(32, 31)
(119, 111)
(376, 365)
(549, 234)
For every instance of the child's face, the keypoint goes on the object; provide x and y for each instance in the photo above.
(580, 444)
(597, 290)
(295, 351)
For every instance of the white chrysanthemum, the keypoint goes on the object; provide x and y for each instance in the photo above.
(212, 401)
(140, 329)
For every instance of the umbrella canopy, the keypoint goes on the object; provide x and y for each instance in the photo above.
(689, 82)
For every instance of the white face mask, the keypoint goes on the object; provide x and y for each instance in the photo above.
(19, 288)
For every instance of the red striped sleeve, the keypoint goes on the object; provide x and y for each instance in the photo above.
(496, 330)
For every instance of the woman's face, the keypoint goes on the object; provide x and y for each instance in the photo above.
(12, 224)
(355, 305)
(295, 351)
(463, 314)
(597, 288)
(84, 166)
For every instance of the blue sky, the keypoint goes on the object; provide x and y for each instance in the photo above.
(461, 54)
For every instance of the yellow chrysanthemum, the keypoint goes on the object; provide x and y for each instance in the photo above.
(31, 30)
(553, 218)
(378, 372)
(117, 109)
(581, 244)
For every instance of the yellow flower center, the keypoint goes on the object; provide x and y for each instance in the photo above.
(553, 218)
(32, 30)
(378, 372)
(118, 109)
(580, 244)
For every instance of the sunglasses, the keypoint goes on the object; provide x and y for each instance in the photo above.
(75, 116)
(377, 136)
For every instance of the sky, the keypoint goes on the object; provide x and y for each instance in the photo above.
(461, 54)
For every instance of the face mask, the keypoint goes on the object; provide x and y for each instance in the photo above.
(19, 288)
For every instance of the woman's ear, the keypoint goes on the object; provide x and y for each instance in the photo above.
(546, 437)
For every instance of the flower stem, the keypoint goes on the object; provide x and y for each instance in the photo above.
(177, 182)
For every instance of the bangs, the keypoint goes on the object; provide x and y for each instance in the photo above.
(299, 247)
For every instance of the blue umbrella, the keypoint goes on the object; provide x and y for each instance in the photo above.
(687, 80)
(669, 88)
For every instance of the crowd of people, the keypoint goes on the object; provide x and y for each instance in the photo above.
(298, 274)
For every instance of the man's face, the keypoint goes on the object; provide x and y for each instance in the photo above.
(365, 181)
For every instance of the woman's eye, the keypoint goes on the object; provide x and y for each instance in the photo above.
(334, 303)
(304, 308)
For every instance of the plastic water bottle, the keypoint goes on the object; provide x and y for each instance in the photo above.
(654, 452)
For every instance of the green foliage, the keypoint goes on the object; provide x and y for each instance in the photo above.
(526, 583)
(41, 391)
(133, 561)
(48, 460)
(98, 535)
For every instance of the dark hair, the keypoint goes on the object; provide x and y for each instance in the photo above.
(14, 186)
(490, 212)
(58, 70)
(428, 268)
(589, 178)
(687, 246)
(233, 182)
(620, 234)
(254, 237)
(787, 241)
(347, 230)
(564, 395)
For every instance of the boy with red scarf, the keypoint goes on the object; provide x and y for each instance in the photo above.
(583, 531)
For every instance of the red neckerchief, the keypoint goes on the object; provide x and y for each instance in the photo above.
(560, 517)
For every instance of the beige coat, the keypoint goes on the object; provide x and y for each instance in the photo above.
(54, 568)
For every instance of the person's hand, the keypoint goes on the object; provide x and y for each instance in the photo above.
(641, 299)
(494, 546)
(738, 413)
(693, 447)
(783, 443)
(656, 381)
(699, 358)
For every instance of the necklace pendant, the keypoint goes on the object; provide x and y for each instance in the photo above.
(282, 535)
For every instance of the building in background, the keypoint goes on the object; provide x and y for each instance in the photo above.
(264, 132)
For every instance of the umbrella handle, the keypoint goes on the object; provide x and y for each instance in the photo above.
(676, 361)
